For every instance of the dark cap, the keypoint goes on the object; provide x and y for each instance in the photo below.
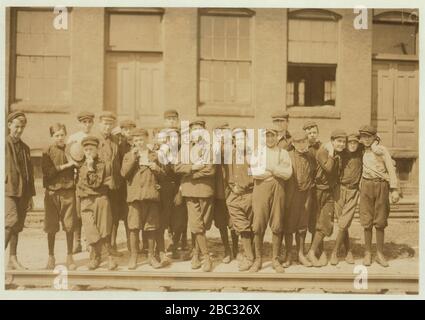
(90, 140)
(15, 114)
(279, 115)
(298, 136)
(309, 124)
(368, 129)
(171, 113)
(108, 115)
(198, 122)
(136, 132)
(84, 115)
(353, 137)
(338, 133)
(127, 124)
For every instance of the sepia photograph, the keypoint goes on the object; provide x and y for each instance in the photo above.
(211, 149)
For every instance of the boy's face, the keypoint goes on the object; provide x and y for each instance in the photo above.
(171, 121)
(86, 125)
(339, 144)
(90, 151)
(16, 128)
(312, 134)
(126, 131)
(367, 139)
(271, 139)
(59, 137)
(352, 145)
(282, 124)
(106, 126)
(301, 145)
(140, 141)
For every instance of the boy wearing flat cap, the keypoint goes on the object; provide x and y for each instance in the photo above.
(92, 189)
(197, 188)
(141, 170)
(269, 204)
(239, 200)
(280, 122)
(298, 192)
(347, 195)
(109, 153)
(86, 121)
(327, 176)
(378, 182)
(19, 185)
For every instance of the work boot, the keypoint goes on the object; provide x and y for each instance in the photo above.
(51, 263)
(94, 262)
(112, 265)
(14, 264)
(70, 264)
(207, 264)
(312, 257)
(334, 259)
(256, 266)
(277, 266)
(303, 260)
(245, 264)
(164, 260)
(323, 259)
(196, 262)
(367, 260)
(227, 256)
(381, 259)
(287, 262)
(349, 258)
(153, 262)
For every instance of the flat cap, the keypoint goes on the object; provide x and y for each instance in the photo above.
(108, 115)
(280, 115)
(368, 129)
(14, 115)
(298, 136)
(90, 140)
(353, 137)
(83, 115)
(338, 133)
(139, 132)
(171, 113)
(271, 130)
(308, 124)
(197, 122)
(127, 124)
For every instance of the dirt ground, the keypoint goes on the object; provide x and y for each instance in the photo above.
(401, 249)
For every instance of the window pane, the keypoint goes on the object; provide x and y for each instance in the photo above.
(218, 48)
(394, 38)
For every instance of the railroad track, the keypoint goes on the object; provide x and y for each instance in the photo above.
(219, 282)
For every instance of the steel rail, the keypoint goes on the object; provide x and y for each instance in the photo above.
(219, 281)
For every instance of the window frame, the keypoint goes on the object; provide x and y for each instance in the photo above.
(29, 106)
(317, 111)
(227, 109)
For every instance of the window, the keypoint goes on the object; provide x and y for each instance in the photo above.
(395, 32)
(225, 60)
(312, 58)
(133, 30)
(42, 59)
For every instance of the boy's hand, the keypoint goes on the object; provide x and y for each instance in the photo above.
(395, 196)
(196, 167)
(377, 149)
(153, 166)
(237, 189)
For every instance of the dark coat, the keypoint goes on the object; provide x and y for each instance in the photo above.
(14, 182)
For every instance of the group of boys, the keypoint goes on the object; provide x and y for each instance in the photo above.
(96, 180)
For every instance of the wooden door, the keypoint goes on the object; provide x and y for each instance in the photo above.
(133, 84)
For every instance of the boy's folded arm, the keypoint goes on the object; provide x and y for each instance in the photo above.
(207, 171)
(183, 168)
(283, 169)
(325, 160)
